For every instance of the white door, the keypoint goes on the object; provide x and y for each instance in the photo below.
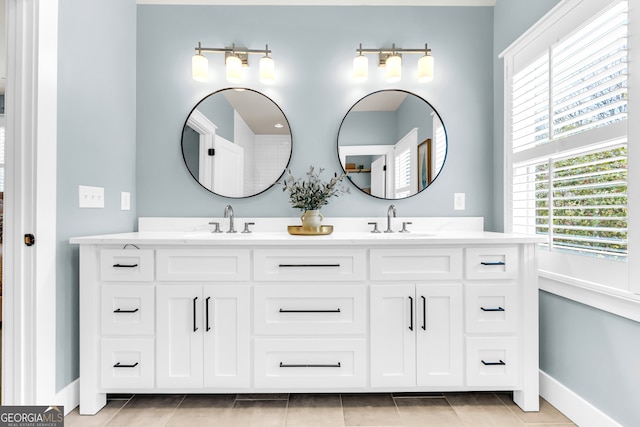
(228, 168)
(393, 341)
(226, 336)
(179, 344)
(439, 334)
(378, 177)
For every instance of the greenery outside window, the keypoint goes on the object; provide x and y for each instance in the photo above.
(566, 142)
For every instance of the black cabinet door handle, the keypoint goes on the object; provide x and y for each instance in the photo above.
(283, 310)
(207, 313)
(195, 327)
(493, 263)
(119, 365)
(117, 310)
(424, 313)
(337, 365)
(307, 265)
(492, 309)
(493, 363)
(125, 265)
(411, 313)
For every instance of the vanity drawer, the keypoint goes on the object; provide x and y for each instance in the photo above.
(310, 363)
(492, 263)
(126, 265)
(302, 310)
(416, 264)
(197, 265)
(492, 361)
(127, 310)
(491, 308)
(126, 364)
(309, 265)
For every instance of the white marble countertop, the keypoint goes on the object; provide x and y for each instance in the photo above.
(273, 231)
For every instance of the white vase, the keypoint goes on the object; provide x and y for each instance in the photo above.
(311, 220)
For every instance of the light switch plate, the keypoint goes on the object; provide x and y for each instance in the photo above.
(90, 197)
(458, 201)
(125, 201)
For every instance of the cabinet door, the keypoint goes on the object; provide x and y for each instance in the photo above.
(226, 336)
(179, 336)
(439, 334)
(393, 342)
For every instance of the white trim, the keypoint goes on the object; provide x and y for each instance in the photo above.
(69, 397)
(618, 302)
(324, 2)
(29, 340)
(633, 151)
(572, 405)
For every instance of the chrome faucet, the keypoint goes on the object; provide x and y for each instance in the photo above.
(391, 212)
(228, 213)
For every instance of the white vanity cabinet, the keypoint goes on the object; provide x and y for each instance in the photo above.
(203, 336)
(416, 335)
(165, 312)
(310, 319)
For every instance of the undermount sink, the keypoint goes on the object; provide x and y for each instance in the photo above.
(397, 235)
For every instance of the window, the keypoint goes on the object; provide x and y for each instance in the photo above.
(566, 134)
(2, 138)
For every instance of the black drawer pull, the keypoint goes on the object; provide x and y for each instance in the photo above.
(492, 363)
(411, 313)
(492, 309)
(307, 265)
(338, 365)
(208, 328)
(118, 365)
(195, 327)
(424, 313)
(493, 263)
(125, 265)
(117, 310)
(282, 310)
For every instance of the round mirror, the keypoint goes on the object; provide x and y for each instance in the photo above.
(236, 142)
(392, 144)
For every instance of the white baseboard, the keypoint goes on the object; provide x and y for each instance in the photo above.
(572, 405)
(69, 396)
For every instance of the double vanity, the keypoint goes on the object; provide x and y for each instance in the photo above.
(175, 308)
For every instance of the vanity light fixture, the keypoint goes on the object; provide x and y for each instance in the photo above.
(235, 59)
(391, 59)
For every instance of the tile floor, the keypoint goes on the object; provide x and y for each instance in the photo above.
(319, 410)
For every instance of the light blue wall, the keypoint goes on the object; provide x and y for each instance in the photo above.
(592, 352)
(313, 48)
(96, 144)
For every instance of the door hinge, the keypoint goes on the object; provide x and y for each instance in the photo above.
(29, 239)
(211, 151)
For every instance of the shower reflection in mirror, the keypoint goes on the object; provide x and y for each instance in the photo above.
(236, 143)
(392, 144)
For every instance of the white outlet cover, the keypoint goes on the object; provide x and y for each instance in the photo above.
(125, 201)
(458, 201)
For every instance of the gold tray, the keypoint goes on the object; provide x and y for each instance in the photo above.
(297, 230)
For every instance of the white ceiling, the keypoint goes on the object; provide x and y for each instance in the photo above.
(325, 2)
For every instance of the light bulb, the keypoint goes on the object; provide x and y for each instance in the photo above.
(425, 69)
(360, 68)
(234, 69)
(393, 64)
(199, 68)
(267, 70)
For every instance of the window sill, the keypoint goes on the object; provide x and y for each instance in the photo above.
(619, 302)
